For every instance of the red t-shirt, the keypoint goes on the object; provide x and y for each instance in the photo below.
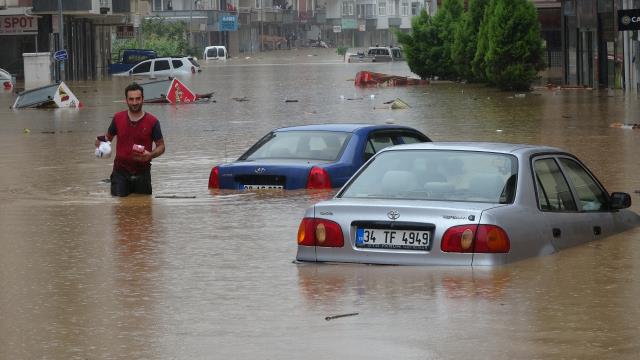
(142, 132)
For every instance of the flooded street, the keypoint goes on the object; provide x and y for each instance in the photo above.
(210, 275)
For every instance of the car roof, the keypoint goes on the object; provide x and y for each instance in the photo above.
(341, 127)
(506, 148)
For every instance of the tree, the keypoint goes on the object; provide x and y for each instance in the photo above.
(465, 41)
(428, 46)
(418, 43)
(167, 38)
(514, 50)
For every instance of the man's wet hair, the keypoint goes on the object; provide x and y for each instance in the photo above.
(133, 87)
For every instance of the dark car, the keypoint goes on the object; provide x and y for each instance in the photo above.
(311, 156)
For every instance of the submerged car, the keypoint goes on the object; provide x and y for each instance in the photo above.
(462, 204)
(310, 156)
(164, 66)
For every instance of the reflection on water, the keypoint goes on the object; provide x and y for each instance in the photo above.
(209, 274)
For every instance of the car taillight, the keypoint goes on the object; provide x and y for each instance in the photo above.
(7, 84)
(193, 69)
(318, 179)
(320, 232)
(214, 182)
(475, 238)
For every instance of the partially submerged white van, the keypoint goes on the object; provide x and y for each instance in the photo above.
(215, 53)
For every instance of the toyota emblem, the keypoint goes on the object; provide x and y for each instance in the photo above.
(260, 170)
(393, 214)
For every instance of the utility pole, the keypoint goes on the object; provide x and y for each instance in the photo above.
(61, 37)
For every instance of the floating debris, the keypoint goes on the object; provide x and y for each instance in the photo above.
(625, 126)
(48, 96)
(399, 104)
(171, 91)
(290, 100)
(340, 316)
(369, 78)
(244, 98)
(175, 197)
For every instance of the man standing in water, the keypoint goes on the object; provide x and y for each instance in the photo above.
(137, 131)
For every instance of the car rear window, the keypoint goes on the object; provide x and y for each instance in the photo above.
(312, 145)
(437, 175)
(194, 62)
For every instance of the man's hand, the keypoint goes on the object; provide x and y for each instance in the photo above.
(146, 156)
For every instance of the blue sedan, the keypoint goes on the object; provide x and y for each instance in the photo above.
(311, 156)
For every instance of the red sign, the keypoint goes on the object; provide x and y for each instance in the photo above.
(18, 25)
(178, 93)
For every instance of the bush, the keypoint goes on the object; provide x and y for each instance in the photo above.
(514, 47)
(428, 46)
(341, 50)
(166, 38)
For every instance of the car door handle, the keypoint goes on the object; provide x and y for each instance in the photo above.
(556, 232)
(597, 230)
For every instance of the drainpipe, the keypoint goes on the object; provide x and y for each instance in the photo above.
(627, 54)
(61, 37)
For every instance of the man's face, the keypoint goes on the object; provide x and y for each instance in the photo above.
(134, 100)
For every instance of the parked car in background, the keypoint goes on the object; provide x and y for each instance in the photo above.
(164, 66)
(6, 79)
(310, 156)
(374, 54)
(215, 53)
(128, 58)
(462, 204)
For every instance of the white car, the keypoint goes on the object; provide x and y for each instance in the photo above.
(215, 53)
(164, 66)
(6, 79)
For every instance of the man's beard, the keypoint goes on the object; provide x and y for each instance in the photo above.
(135, 108)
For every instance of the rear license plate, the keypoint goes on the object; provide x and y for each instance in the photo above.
(393, 239)
(262, 187)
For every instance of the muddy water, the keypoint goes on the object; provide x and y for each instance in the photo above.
(210, 275)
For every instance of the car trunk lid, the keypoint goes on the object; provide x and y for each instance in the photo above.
(404, 217)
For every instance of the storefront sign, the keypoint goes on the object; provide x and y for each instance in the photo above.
(628, 20)
(349, 24)
(18, 25)
(337, 28)
(228, 22)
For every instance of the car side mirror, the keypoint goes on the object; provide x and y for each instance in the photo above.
(619, 200)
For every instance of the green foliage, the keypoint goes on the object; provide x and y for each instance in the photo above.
(166, 38)
(428, 46)
(495, 41)
(514, 48)
(465, 40)
(341, 50)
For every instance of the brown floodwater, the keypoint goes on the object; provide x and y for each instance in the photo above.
(210, 275)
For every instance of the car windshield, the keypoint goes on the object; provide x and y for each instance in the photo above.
(313, 145)
(442, 175)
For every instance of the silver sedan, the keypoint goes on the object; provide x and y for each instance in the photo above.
(462, 204)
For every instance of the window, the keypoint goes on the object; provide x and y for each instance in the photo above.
(553, 190)
(347, 8)
(321, 145)
(258, 4)
(161, 65)
(415, 9)
(370, 11)
(361, 11)
(392, 8)
(382, 8)
(590, 195)
(143, 67)
(404, 8)
(176, 63)
(410, 139)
